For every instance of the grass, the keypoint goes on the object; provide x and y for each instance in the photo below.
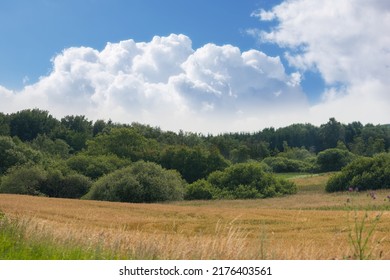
(309, 225)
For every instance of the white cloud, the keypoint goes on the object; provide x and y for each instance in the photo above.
(348, 43)
(165, 82)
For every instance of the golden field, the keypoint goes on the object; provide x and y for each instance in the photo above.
(309, 225)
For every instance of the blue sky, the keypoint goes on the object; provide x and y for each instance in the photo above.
(33, 32)
(316, 70)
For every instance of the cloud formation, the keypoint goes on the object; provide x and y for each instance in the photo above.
(165, 82)
(348, 43)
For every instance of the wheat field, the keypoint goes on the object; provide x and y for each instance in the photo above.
(309, 225)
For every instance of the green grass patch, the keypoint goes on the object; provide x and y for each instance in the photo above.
(291, 175)
(16, 243)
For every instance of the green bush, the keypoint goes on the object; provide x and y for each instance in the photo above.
(200, 190)
(249, 180)
(24, 179)
(74, 186)
(35, 180)
(140, 182)
(334, 159)
(364, 174)
(283, 164)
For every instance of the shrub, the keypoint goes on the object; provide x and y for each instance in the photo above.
(24, 179)
(249, 180)
(200, 190)
(74, 186)
(283, 164)
(140, 182)
(334, 159)
(363, 173)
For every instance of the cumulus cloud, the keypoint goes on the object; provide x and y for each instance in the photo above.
(165, 82)
(347, 42)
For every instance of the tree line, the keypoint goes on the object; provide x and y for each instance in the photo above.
(74, 157)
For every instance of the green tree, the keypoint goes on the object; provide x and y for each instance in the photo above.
(58, 147)
(75, 130)
(27, 124)
(125, 143)
(13, 152)
(192, 163)
(95, 166)
(332, 132)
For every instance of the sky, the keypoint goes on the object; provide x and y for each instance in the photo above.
(201, 66)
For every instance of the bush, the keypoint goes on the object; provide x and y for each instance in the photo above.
(334, 159)
(23, 180)
(249, 180)
(283, 164)
(74, 186)
(200, 190)
(34, 180)
(140, 182)
(363, 173)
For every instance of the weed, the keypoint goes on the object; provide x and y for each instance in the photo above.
(361, 236)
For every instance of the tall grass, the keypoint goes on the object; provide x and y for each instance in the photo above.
(361, 236)
(19, 242)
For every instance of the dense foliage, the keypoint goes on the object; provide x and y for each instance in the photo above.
(249, 180)
(363, 174)
(141, 182)
(42, 155)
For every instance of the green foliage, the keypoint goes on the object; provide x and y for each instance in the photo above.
(27, 124)
(192, 163)
(333, 159)
(141, 182)
(125, 143)
(331, 133)
(75, 130)
(23, 180)
(57, 148)
(283, 164)
(35, 180)
(74, 145)
(249, 180)
(13, 152)
(4, 125)
(17, 242)
(95, 166)
(363, 173)
(74, 186)
(200, 190)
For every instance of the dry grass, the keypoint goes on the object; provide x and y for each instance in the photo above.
(294, 227)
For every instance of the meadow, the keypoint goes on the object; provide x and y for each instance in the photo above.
(312, 224)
